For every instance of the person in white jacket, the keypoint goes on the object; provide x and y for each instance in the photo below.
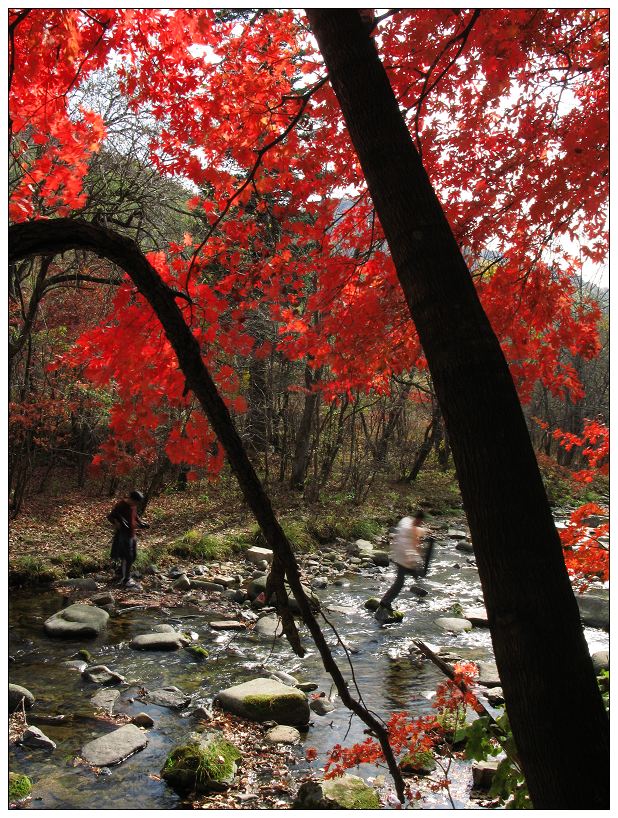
(410, 551)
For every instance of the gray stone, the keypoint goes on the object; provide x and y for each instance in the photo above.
(465, 546)
(600, 660)
(192, 767)
(33, 737)
(266, 699)
(205, 585)
(256, 554)
(319, 582)
(363, 547)
(307, 687)
(164, 628)
(158, 641)
(114, 747)
(284, 677)
(478, 616)
(282, 734)
(183, 583)
(456, 534)
(105, 699)
(483, 773)
(453, 624)
(321, 706)
(76, 664)
(102, 675)
(256, 586)
(343, 792)
(105, 598)
(226, 581)
(79, 584)
(202, 714)
(16, 694)
(488, 674)
(142, 720)
(418, 590)
(381, 559)
(263, 565)
(495, 696)
(170, 697)
(268, 626)
(77, 621)
(227, 625)
(594, 610)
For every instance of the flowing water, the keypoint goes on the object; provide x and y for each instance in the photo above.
(386, 674)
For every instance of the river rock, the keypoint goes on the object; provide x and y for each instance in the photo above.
(114, 747)
(488, 674)
(78, 621)
(381, 559)
(319, 583)
(421, 763)
(594, 610)
(362, 548)
(224, 580)
(227, 625)
(456, 534)
(478, 616)
(143, 720)
(284, 677)
(495, 696)
(79, 584)
(266, 699)
(159, 641)
(453, 624)
(344, 792)
(16, 694)
(170, 697)
(183, 583)
(282, 734)
(600, 660)
(164, 628)
(321, 706)
(102, 675)
(256, 554)
(483, 773)
(256, 586)
(465, 546)
(206, 763)
(307, 687)
(206, 585)
(105, 699)
(418, 591)
(33, 737)
(20, 787)
(105, 598)
(269, 627)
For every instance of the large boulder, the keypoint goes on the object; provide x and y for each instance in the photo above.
(266, 700)
(17, 693)
(114, 747)
(169, 640)
(344, 792)
(78, 621)
(206, 763)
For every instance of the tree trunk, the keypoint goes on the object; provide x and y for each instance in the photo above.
(302, 450)
(554, 705)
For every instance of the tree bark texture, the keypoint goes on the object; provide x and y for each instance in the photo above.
(53, 236)
(554, 705)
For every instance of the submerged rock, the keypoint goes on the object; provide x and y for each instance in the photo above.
(102, 675)
(170, 697)
(206, 763)
(105, 699)
(114, 747)
(321, 706)
(77, 621)
(17, 693)
(344, 792)
(264, 700)
(268, 626)
(143, 720)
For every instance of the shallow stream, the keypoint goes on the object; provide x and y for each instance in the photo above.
(388, 678)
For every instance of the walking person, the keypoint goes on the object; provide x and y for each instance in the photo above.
(126, 521)
(411, 550)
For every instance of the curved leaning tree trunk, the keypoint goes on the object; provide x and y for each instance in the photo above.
(554, 705)
(52, 236)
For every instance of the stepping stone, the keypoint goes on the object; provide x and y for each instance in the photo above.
(143, 720)
(105, 699)
(77, 622)
(225, 625)
(282, 734)
(344, 792)
(33, 737)
(453, 624)
(16, 694)
(182, 583)
(284, 677)
(488, 674)
(600, 660)
(159, 641)
(170, 697)
(269, 627)
(114, 747)
(163, 628)
(106, 598)
(381, 559)
(478, 616)
(256, 554)
(483, 773)
(225, 581)
(266, 700)
(205, 585)
(593, 610)
(456, 534)
(346, 610)
(101, 675)
(465, 546)
(80, 584)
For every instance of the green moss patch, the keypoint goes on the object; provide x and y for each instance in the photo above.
(19, 786)
(205, 764)
(350, 792)
(198, 652)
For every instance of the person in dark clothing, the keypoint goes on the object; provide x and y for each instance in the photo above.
(126, 521)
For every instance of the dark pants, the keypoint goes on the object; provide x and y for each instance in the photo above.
(124, 548)
(395, 589)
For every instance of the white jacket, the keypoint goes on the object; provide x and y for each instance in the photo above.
(406, 544)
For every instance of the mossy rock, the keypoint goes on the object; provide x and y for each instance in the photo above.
(206, 764)
(372, 604)
(266, 700)
(344, 792)
(419, 763)
(20, 787)
(197, 652)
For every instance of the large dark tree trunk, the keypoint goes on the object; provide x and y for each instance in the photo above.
(553, 702)
(302, 448)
